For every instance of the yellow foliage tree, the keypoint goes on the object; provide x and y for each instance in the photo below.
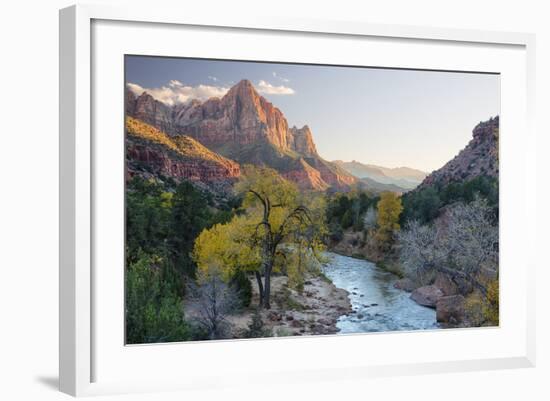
(225, 248)
(281, 230)
(389, 209)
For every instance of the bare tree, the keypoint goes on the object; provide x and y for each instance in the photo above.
(213, 300)
(463, 245)
(420, 251)
(472, 239)
(371, 216)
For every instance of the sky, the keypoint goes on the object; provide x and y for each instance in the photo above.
(387, 117)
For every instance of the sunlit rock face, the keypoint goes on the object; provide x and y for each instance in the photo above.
(150, 153)
(245, 127)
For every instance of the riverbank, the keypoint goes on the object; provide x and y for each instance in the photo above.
(314, 311)
(353, 246)
(377, 304)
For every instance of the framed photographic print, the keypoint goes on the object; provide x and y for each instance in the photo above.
(289, 199)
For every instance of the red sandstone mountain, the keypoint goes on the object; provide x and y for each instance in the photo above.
(150, 152)
(479, 157)
(245, 127)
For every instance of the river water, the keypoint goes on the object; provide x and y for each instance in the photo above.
(377, 305)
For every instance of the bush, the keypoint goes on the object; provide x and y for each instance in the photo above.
(347, 219)
(336, 232)
(256, 327)
(240, 282)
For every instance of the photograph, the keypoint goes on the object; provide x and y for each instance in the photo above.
(274, 199)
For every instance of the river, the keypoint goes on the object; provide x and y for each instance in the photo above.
(377, 305)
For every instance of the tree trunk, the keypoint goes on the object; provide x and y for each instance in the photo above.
(267, 288)
(260, 287)
(267, 264)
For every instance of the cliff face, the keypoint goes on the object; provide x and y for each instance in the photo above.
(479, 157)
(245, 127)
(150, 152)
(301, 141)
(241, 117)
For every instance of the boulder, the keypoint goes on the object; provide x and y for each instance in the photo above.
(327, 321)
(274, 316)
(446, 285)
(405, 284)
(450, 309)
(427, 295)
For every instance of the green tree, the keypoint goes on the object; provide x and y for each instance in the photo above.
(347, 219)
(147, 217)
(153, 312)
(422, 205)
(190, 214)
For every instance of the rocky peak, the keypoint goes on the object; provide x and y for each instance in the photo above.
(187, 113)
(486, 129)
(302, 141)
(249, 116)
(130, 102)
(147, 109)
(243, 88)
(479, 157)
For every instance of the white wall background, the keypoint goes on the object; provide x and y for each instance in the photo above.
(29, 200)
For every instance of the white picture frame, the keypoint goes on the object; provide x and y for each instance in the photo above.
(80, 373)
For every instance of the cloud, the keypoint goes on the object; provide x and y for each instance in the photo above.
(213, 78)
(279, 77)
(267, 89)
(176, 92)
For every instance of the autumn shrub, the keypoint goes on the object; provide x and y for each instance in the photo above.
(473, 310)
(491, 306)
(483, 310)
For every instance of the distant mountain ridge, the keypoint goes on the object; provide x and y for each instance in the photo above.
(375, 186)
(404, 178)
(243, 126)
